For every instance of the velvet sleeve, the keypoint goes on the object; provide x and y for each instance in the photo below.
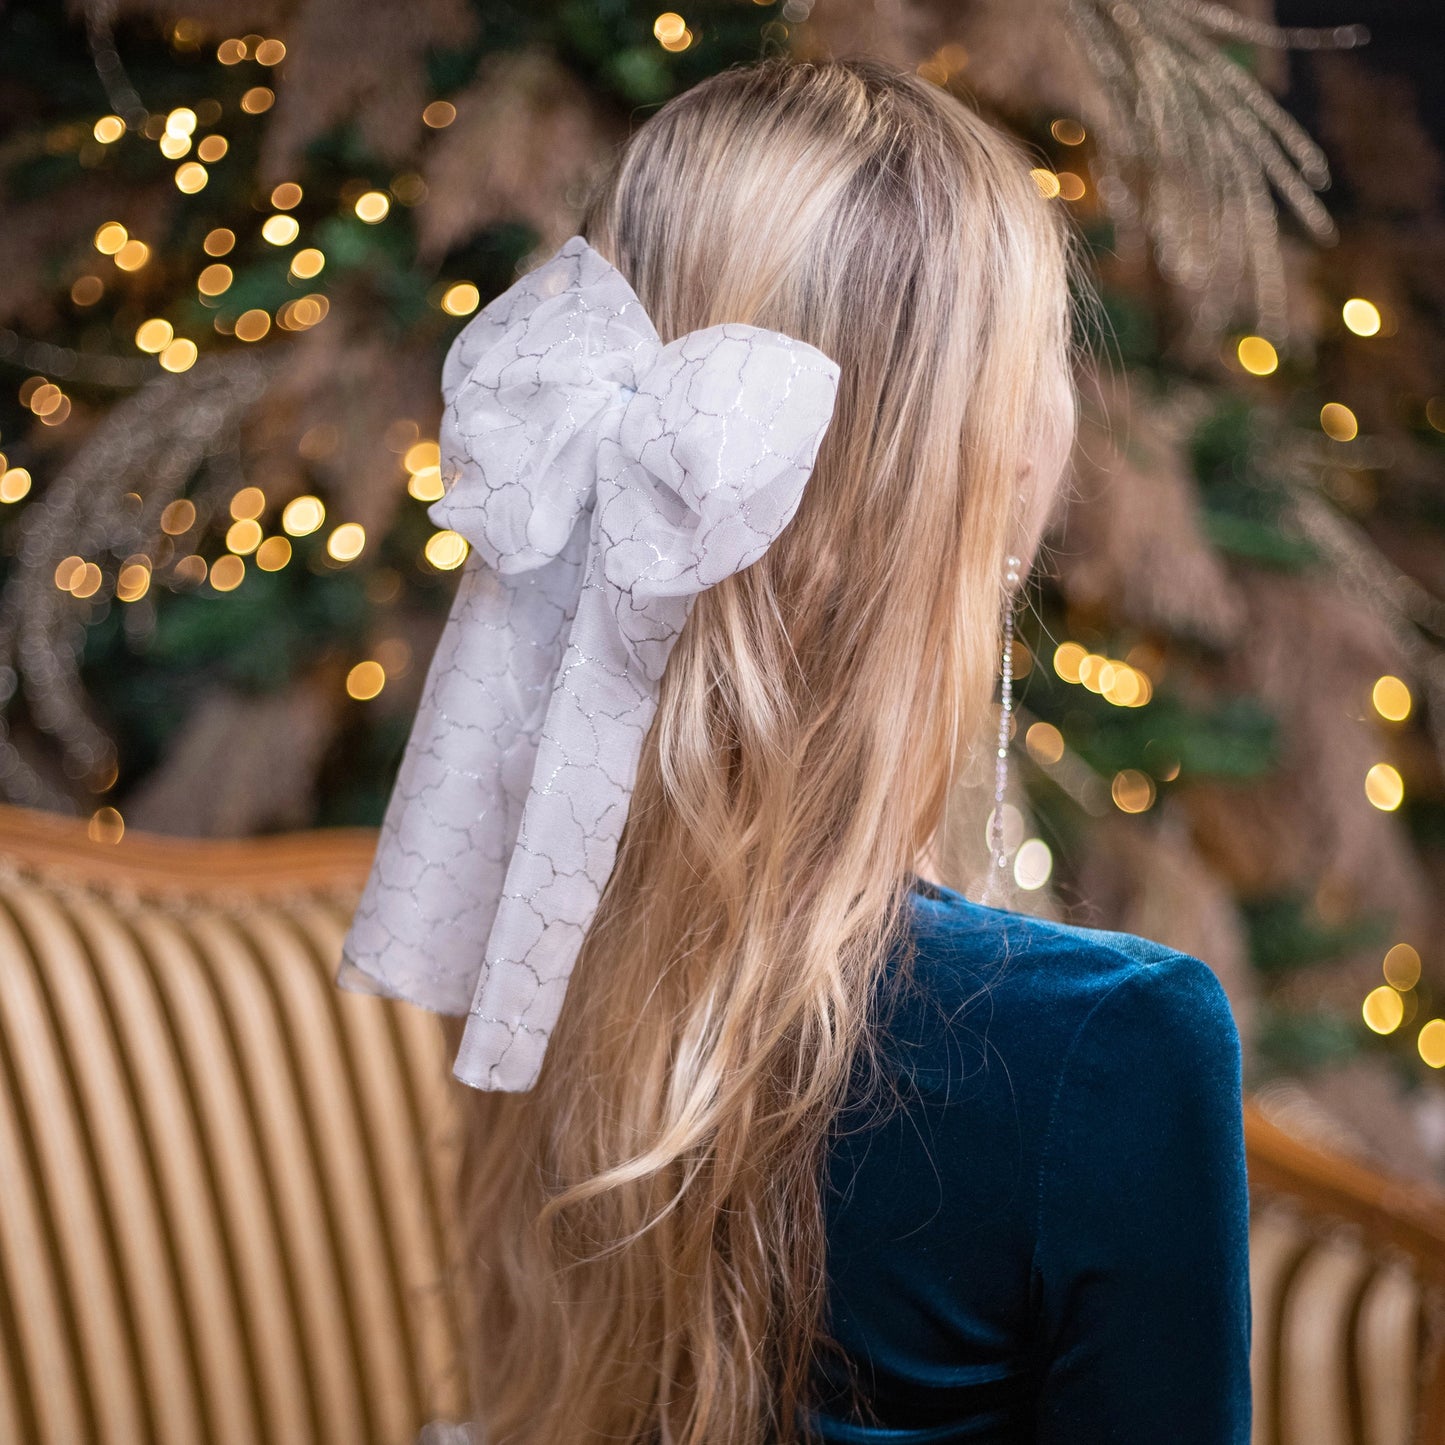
(1141, 1269)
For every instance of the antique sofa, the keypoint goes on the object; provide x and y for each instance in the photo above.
(225, 1184)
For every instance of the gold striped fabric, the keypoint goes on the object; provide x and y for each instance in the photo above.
(224, 1183)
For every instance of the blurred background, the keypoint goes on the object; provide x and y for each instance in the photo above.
(238, 238)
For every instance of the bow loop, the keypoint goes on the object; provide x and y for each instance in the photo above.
(527, 384)
(712, 455)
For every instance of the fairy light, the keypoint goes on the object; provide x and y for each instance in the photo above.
(1067, 132)
(1383, 1009)
(252, 325)
(1391, 698)
(87, 290)
(212, 149)
(231, 52)
(446, 550)
(307, 263)
(365, 680)
(273, 554)
(270, 52)
(257, 100)
(1046, 181)
(154, 336)
(219, 242)
(173, 147)
(303, 515)
(178, 517)
(180, 355)
(280, 230)
(247, 504)
(110, 238)
(439, 114)
(461, 299)
(133, 255)
(108, 129)
(1071, 186)
(133, 581)
(1339, 422)
(14, 484)
(227, 573)
(372, 206)
(214, 280)
(1361, 316)
(106, 826)
(1033, 864)
(1132, 791)
(1257, 356)
(286, 196)
(243, 537)
(1431, 1043)
(1384, 787)
(181, 122)
(1045, 743)
(347, 542)
(1401, 966)
(191, 177)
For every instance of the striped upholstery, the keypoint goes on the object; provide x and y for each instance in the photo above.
(224, 1183)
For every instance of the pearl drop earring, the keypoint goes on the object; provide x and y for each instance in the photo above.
(998, 860)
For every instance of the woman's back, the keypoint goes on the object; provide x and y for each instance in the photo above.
(1046, 1239)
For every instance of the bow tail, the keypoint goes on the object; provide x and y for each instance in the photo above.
(602, 706)
(427, 909)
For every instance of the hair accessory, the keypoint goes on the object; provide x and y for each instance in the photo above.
(603, 480)
(998, 852)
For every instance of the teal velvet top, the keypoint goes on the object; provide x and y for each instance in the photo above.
(1046, 1239)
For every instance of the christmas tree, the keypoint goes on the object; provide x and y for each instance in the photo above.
(239, 239)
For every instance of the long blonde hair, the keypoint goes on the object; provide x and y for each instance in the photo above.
(645, 1226)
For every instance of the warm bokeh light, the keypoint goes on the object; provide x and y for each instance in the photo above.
(248, 504)
(420, 455)
(173, 147)
(14, 484)
(346, 543)
(461, 299)
(133, 255)
(1033, 864)
(1361, 316)
(67, 572)
(181, 121)
(439, 114)
(179, 516)
(231, 52)
(307, 263)
(189, 571)
(1257, 356)
(133, 581)
(1339, 422)
(86, 582)
(1045, 743)
(243, 537)
(1132, 791)
(1067, 658)
(219, 242)
(1384, 1009)
(1384, 787)
(252, 325)
(87, 290)
(191, 177)
(365, 680)
(273, 554)
(303, 515)
(446, 550)
(1046, 181)
(270, 52)
(1431, 1043)
(426, 484)
(1391, 698)
(1067, 132)
(154, 335)
(257, 99)
(108, 129)
(372, 206)
(280, 230)
(227, 573)
(180, 355)
(212, 149)
(215, 279)
(110, 238)
(1401, 966)
(106, 826)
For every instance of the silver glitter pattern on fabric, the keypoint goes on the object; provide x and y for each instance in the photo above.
(603, 480)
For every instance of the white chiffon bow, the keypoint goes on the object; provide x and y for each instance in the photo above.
(603, 480)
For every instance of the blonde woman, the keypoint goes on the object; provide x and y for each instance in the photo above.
(811, 1147)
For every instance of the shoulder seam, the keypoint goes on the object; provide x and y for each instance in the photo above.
(1170, 956)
